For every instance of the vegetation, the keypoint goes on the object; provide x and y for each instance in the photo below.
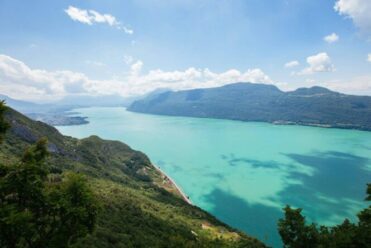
(315, 106)
(296, 233)
(42, 210)
(3, 124)
(93, 193)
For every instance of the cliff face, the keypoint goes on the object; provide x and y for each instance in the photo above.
(139, 208)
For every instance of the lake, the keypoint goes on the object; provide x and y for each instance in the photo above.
(244, 173)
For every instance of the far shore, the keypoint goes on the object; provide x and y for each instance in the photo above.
(184, 196)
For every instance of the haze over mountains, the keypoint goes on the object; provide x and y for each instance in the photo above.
(315, 106)
(57, 113)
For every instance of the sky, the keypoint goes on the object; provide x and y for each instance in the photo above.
(53, 49)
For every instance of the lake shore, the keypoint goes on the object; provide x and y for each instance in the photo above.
(180, 191)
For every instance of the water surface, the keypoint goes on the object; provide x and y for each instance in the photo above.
(245, 173)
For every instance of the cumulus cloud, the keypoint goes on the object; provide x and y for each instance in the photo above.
(292, 64)
(357, 10)
(320, 62)
(90, 17)
(331, 38)
(369, 57)
(21, 82)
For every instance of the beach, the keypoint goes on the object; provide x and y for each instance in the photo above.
(184, 196)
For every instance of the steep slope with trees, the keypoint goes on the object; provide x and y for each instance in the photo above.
(109, 194)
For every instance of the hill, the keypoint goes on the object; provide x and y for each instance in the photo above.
(59, 113)
(52, 114)
(140, 207)
(316, 106)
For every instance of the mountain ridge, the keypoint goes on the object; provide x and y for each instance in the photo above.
(314, 106)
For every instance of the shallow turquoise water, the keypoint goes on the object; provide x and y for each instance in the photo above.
(245, 173)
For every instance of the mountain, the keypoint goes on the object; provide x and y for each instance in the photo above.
(316, 106)
(52, 114)
(141, 207)
(57, 113)
(24, 106)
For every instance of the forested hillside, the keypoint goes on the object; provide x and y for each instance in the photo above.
(133, 203)
(314, 106)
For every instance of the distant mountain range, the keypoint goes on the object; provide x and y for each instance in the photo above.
(52, 114)
(57, 114)
(68, 103)
(315, 106)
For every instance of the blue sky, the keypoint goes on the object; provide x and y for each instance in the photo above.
(50, 49)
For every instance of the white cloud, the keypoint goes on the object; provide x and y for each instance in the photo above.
(79, 15)
(128, 59)
(360, 85)
(320, 62)
(331, 38)
(21, 82)
(126, 29)
(292, 64)
(103, 18)
(358, 10)
(369, 57)
(18, 79)
(91, 16)
(136, 68)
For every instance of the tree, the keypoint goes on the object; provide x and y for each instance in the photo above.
(296, 233)
(293, 230)
(3, 124)
(42, 210)
(73, 210)
(364, 224)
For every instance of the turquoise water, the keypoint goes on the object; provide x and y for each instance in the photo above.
(245, 173)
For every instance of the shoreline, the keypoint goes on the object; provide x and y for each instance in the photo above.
(277, 122)
(184, 196)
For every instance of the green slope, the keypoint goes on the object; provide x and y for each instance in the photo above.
(138, 210)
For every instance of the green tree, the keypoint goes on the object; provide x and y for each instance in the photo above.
(73, 210)
(3, 124)
(363, 232)
(42, 210)
(296, 233)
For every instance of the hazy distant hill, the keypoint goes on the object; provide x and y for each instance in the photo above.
(57, 114)
(52, 114)
(23, 106)
(67, 103)
(260, 102)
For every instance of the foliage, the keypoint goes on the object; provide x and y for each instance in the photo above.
(135, 211)
(296, 233)
(3, 124)
(37, 212)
